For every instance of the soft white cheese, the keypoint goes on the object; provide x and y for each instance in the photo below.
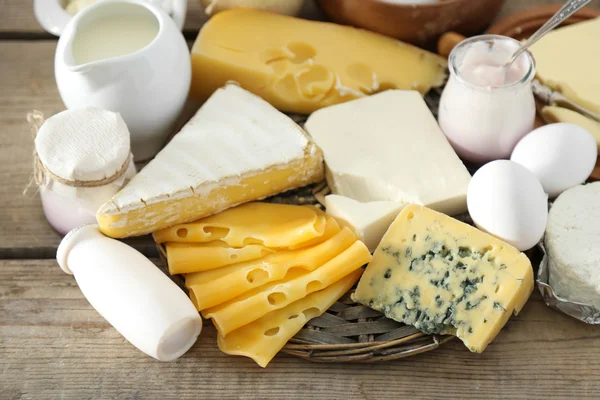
(370, 220)
(234, 133)
(389, 147)
(572, 242)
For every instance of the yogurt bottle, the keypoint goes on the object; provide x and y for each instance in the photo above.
(131, 293)
(486, 109)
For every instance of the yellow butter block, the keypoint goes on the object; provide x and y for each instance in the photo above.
(297, 284)
(300, 66)
(268, 224)
(238, 279)
(185, 258)
(262, 339)
(443, 276)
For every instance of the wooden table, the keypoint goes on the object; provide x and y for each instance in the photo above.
(54, 345)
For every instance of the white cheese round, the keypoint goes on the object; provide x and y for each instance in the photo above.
(573, 244)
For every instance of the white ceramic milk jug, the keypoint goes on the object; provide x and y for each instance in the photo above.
(126, 56)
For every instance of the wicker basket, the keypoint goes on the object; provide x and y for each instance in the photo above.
(350, 332)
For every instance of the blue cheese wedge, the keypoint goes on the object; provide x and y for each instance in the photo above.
(443, 276)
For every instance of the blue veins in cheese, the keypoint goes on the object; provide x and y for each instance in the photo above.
(445, 277)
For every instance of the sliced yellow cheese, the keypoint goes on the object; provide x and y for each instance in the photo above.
(332, 227)
(297, 284)
(263, 338)
(552, 114)
(241, 278)
(268, 224)
(443, 276)
(184, 258)
(567, 60)
(300, 66)
(236, 149)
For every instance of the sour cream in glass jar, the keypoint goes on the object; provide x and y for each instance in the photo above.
(486, 109)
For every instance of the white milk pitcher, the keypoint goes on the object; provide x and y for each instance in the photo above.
(126, 56)
(54, 15)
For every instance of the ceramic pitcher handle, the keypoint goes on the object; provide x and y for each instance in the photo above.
(51, 15)
(178, 12)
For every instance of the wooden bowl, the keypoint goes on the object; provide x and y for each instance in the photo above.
(418, 24)
(523, 24)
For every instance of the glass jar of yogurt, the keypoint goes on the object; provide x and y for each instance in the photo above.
(485, 108)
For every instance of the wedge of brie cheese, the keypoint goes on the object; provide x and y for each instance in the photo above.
(369, 221)
(237, 148)
(389, 147)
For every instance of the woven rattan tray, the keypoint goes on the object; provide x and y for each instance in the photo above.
(348, 332)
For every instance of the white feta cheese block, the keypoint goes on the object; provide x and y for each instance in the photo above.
(369, 220)
(389, 147)
(573, 244)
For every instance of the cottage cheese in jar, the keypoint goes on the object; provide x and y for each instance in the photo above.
(82, 158)
(486, 108)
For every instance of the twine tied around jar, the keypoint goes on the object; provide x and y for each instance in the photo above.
(41, 172)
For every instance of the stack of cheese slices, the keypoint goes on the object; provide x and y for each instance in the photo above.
(261, 270)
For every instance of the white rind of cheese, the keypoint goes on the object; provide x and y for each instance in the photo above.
(389, 147)
(234, 134)
(573, 244)
(369, 221)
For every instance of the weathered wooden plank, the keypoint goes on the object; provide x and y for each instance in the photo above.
(54, 345)
(17, 16)
(27, 83)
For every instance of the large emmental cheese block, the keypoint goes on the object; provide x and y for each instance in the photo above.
(300, 66)
(237, 148)
(389, 147)
(443, 276)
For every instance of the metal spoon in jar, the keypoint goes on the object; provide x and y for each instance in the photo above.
(570, 8)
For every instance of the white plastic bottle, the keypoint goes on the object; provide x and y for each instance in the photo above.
(131, 293)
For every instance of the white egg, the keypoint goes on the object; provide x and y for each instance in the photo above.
(559, 155)
(507, 201)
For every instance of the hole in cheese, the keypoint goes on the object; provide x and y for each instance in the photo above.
(497, 289)
(217, 233)
(316, 80)
(313, 286)
(249, 240)
(310, 313)
(233, 256)
(293, 316)
(257, 276)
(410, 216)
(276, 298)
(294, 272)
(302, 52)
(272, 331)
(182, 233)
